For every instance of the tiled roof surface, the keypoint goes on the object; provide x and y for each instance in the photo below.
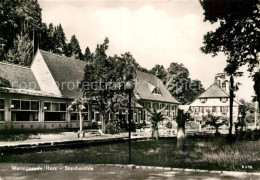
(67, 72)
(214, 91)
(144, 91)
(18, 77)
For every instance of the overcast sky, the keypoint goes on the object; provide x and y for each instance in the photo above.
(155, 32)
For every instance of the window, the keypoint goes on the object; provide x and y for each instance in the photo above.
(224, 85)
(55, 111)
(155, 106)
(74, 115)
(2, 109)
(25, 105)
(143, 115)
(162, 106)
(25, 110)
(214, 109)
(148, 105)
(196, 109)
(95, 114)
(224, 109)
(156, 91)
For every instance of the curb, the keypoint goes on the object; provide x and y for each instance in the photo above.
(37, 146)
(231, 173)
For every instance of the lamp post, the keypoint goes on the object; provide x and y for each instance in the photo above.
(129, 87)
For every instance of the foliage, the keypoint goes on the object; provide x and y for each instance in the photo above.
(87, 55)
(256, 79)
(17, 17)
(248, 106)
(180, 85)
(238, 34)
(215, 121)
(73, 49)
(104, 77)
(169, 124)
(156, 116)
(249, 135)
(59, 40)
(141, 125)
(159, 71)
(21, 53)
(112, 128)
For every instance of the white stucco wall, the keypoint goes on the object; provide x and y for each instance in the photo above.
(214, 102)
(43, 75)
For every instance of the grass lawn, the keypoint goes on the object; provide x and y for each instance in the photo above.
(201, 153)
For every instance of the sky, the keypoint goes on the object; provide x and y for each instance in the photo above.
(154, 32)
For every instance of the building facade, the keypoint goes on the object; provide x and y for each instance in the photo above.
(215, 100)
(38, 97)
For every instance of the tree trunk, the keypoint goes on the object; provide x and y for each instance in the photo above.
(231, 105)
(181, 129)
(217, 131)
(180, 136)
(155, 134)
(80, 122)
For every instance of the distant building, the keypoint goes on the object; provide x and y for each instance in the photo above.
(38, 97)
(215, 100)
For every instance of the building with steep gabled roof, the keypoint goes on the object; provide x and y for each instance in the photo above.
(38, 96)
(214, 100)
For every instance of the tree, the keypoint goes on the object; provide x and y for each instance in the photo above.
(79, 106)
(103, 80)
(180, 85)
(156, 117)
(59, 40)
(256, 79)
(237, 36)
(18, 17)
(215, 121)
(182, 118)
(21, 53)
(87, 55)
(159, 71)
(73, 48)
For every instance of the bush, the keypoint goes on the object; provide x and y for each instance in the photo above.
(141, 125)
(249, 135)
(112, 128)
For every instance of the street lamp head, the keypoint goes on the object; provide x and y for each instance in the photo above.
(129, 86)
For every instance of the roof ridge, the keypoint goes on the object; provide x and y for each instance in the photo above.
(209, 88)
(222, 89)
(64, 57)
(15, 65)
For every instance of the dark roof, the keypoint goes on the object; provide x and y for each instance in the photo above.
(18, 77)
(145, 85)
(67, 72)
(214, 91)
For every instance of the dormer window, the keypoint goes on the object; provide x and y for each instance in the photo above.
(156, 91)
(203, 100)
